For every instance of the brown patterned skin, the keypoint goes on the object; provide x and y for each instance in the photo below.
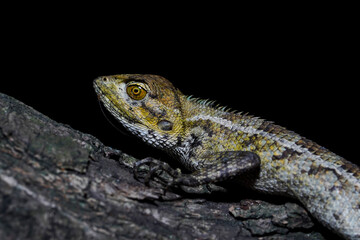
(216, 145)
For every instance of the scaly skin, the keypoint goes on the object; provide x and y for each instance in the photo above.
(217, 145)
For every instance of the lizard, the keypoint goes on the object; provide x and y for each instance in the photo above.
(215, 144)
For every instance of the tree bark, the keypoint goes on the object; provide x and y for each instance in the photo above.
(59, 183)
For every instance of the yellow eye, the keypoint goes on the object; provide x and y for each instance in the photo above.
(136, 92)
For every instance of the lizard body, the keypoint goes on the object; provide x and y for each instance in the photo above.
(215, 144)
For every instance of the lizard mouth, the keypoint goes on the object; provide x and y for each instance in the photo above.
(114, 108)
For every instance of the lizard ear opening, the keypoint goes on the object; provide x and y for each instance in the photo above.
(165, 125)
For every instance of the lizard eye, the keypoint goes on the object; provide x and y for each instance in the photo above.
(136, 92)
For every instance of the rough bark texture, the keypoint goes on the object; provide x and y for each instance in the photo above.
(59, 183)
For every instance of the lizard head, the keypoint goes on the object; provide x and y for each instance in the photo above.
(147, 105)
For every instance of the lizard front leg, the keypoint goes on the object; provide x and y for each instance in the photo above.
(220, 166)
(217, 167)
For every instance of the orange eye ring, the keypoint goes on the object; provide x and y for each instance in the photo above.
(136, 92)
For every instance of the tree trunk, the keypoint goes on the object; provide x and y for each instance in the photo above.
(59, 183)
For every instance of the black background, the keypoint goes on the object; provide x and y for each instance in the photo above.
(296, 69)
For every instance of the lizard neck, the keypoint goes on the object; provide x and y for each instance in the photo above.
(194, 136)
(194, 107)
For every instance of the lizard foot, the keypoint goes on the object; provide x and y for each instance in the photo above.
(149, 169)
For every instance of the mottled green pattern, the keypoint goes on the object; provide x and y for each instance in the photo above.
(217, 144)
